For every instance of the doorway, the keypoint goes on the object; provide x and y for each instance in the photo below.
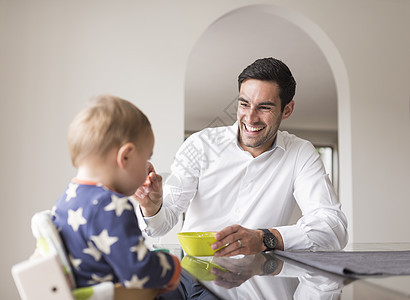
(243, 35)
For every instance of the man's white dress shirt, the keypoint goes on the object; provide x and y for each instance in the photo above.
(219, 184)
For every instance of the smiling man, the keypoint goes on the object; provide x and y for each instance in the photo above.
(260, 114)
(244, 180)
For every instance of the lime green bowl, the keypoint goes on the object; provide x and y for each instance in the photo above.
(197, 243)
(200, 269)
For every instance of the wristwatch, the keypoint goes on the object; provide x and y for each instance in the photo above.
(269, 239)
(270, 264)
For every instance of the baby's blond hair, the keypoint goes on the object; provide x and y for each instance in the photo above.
(107, 122)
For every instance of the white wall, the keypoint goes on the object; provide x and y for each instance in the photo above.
(54, 55)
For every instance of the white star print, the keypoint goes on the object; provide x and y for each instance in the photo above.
(103, 241)
(76, 262)
(97, 279)
(118, 204)
(75, 218)
(71, 191)
(91, 250)
(135, 282)
(140, 248)
(164, 263)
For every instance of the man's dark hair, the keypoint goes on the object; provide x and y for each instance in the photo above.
(271, 69)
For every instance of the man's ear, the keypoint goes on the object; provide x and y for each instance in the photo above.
(287, 111)
(124, 153)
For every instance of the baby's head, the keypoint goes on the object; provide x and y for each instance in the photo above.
(110, 127)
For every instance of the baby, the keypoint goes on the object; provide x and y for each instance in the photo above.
(110, 142)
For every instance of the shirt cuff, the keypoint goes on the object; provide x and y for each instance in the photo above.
(294, 237)
(155, 221)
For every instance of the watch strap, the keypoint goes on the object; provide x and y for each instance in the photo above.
(269, 239)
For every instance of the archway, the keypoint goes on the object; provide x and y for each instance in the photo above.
(245, 34)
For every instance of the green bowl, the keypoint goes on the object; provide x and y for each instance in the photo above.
(197, 243)
(199, 268)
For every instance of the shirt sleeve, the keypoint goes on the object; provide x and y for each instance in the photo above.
(323, 226)
(179, 188)
(114, 231)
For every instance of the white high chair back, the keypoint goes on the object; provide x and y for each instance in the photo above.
(42, 278)
(49, 242)
(50, 277)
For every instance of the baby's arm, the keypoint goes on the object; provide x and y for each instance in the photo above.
(176, 278)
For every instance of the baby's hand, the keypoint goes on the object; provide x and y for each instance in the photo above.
(169, 288)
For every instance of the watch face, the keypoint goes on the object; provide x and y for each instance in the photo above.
(270, 242)
(270, 267)
(269, 239)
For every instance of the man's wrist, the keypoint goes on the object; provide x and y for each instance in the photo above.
(263, 247)
(269, 238)
(151, 211)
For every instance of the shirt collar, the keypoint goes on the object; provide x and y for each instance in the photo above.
(278, 142)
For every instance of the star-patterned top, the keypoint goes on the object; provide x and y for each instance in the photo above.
(101, 233)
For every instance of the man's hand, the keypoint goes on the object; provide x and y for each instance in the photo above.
(241, 240)
(149, 195)
(237, 271)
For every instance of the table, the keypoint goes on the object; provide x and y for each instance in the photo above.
(269, 276)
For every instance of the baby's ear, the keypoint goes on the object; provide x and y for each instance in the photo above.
(124, 154)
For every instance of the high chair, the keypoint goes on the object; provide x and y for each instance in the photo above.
(48, 274)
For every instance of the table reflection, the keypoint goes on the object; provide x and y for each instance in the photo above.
(261, 276)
